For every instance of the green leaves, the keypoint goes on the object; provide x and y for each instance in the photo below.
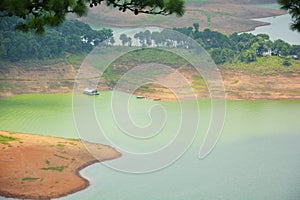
(70, 37)
(293, 8)
(175, 6)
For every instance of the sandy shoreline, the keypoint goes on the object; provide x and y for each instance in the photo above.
(44, 167)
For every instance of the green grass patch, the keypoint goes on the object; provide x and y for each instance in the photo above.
(269, 65)
(149, 88)
(76, 59)
(142, 56)
(6, 139)
(29, 179)
(6, 85)
(73, 139)
(72, 143)
(198, 82)
(47, 162)
(26, 64)
(153, 56)
(235, 82)
(58, 168)
(62, 144)
(61, 157)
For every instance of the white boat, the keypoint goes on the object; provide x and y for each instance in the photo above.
(90, 91)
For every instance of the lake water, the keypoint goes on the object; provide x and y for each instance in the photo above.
(257, 156)
(279, 28)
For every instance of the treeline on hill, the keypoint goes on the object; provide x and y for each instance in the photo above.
(71, 37)
(75, 37)
(244, 47)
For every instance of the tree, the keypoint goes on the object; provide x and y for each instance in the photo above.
(221, 56)
(216, 56)
(286, 62)
(186, 31)
(112, 41)
(71, 37)
(293, 7)
(129, 41)
(157, 38)
(123, 38)
(141, 37)
(280, 47)
(147, 35)
(37, 14)
(196, 27)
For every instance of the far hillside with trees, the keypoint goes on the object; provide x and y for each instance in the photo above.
(75, 38)
(72, 37)
(235, 48)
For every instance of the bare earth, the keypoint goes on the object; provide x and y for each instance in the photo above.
(221, 15)
(254, 87)
(60, 78)
(237, 84)
(42, 167)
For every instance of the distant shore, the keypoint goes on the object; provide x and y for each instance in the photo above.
(222, 15)
(44, 167)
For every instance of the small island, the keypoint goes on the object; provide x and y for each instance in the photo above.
(43, 167)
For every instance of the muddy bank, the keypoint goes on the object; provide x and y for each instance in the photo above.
(43, 167)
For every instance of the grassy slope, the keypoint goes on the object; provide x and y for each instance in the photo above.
(265, 66)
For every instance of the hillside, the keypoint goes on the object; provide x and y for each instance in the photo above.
(72, 37)
(221, 15)
(247, 72)
(245, 81)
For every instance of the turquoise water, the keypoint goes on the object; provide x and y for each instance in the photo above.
(281, 23)
(257, 156)
(279, 27)
(39, 114)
